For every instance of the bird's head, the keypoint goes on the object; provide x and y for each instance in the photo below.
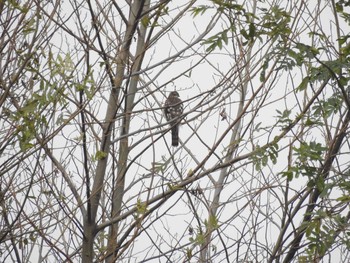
(174, 94)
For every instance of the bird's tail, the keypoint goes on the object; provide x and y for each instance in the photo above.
(175, 135)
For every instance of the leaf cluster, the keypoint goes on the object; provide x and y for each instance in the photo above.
(306, 154)
(262, 155)
(321, 233)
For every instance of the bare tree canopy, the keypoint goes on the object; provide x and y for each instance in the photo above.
(89, 171)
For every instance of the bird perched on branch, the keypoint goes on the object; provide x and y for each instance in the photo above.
(173, 109)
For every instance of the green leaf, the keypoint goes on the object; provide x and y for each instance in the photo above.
(145, 21)
(326, 108)
(24, 145)
(141, 207)
(288, 174)
(100, 155)
(311, 122)
(303, 85)
(252, 30)
(199, 240)
(312, 151)
(200, 10)
(307, 51)
(189, 253)
(263, 70)
(298, 57)
(224, 37)
(344, 198)
(216, 41)
(29, 26)
(244, 33)
(30, 107)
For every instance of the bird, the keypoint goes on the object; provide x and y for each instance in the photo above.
(173, 109)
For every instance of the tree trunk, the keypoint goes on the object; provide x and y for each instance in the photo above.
(138, 7)
(122, 59)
